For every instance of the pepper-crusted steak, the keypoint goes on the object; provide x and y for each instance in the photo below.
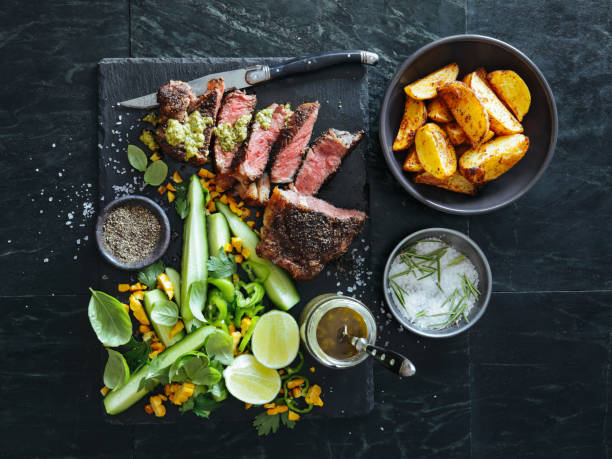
(303, 233)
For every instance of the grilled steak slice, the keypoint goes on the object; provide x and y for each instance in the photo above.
(323, 159)
(255, 193)
(253, 156)
(236, 105)
(288, 150)
(303, 233)
(208, 106)
(176, 100)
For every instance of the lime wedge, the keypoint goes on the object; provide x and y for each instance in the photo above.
(250, 382)
(276, 339)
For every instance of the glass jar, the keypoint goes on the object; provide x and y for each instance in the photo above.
(312, 314)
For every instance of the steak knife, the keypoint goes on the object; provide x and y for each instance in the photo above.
(250, 76)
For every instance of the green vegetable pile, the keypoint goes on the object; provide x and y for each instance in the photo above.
(209, 297)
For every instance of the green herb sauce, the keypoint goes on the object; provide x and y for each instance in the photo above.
(151, 118)
(191, 134)
(229, 136)
(264, 118)
(147, 138)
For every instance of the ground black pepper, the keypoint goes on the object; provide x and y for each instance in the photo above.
(131, 233)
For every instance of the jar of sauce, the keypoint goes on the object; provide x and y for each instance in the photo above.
(321, 323)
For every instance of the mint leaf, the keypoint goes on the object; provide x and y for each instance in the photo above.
(221, 266)
(148, 276)
(165, 312)
(137, 355)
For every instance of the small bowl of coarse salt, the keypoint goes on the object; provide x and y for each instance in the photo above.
(437, 282)
(132, 232)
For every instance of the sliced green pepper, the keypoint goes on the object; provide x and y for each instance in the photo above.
(247, 336)
(291, 402)
(257, 272)
(225, 286)
(255, 293)
(216, 309)
(249, 312)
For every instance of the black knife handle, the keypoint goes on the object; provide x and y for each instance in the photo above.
(392, 360)
(309, 64)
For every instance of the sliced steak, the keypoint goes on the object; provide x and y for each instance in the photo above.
(323, 159)
(255, 193)
(252, 158)
(235, 105)
(303, 233)
(288, 151)
(208, 106)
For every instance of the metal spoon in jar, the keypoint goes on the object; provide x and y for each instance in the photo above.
(391, 360)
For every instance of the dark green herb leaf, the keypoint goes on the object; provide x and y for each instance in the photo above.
(165, 312)
(180, 203)
(155, 375)
(219, 346)
(218, 391)
(137, 355)
(156, 173)
(204, 405)
(285, 419)
(137, 158)
(196, 298)
(148, 276)
(110, 321)
(266, 424)
(221, 266)
(116, 372)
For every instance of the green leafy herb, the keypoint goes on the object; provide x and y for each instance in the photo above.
(194, 367)
(180, 202)
(197, 298)
(137, 158)
(165, 312)
(148, 276)
(221, 266)
(116, 372)
(109, 319)
(460, 259)
(137, 355)
(218, 391)
(219, 346)
(156, 173)
(201, 405)
(156, 375)
(266, 424)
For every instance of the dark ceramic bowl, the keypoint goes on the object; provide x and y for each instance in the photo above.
(463, 244)
(164, 238)
(540, 124)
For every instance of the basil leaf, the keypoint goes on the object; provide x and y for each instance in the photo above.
(116, 372)
(109, 320)
(196, 297)
(165, 312)
(219, 346)
(180, 202)
(148, 276)
(137, 158)
(156, 375)
(137, 355)
(201, 405)
(221, 266)
(156, 173)
(218, 391)
(181, 368)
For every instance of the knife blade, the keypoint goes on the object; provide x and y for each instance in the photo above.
(245, 77)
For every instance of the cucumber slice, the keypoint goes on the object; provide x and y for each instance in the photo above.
(218, 234)
(121, 399)
(279, 286)
(163, 331)
(195, 249)
(175, 278)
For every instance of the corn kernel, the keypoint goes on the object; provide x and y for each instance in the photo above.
(269, 405)
(138, 294)
(144, 329)
(245, 324)
(281, 372)
(239, 258)
(104, 391)
(312, 369)
(237, 243)
(138, 311)
(246, 213)
(223, 198)
(281, 409)
(177, 177)
(297, 392)
(227, 248)
(137, 286)
(171, 196)
(258, 214)
(164, 283)
(246, 253)
(123, 287)
(295, 383)
(251, 224)
(155, 157)
(231, 328)
(162, 189)
(126, 307)
(170, 187)
(176, 329)
(148, 409)
(293, 416)
(204, 173)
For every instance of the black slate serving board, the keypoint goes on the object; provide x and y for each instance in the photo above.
(343, 94)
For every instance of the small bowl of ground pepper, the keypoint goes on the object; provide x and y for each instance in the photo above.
(132, 232)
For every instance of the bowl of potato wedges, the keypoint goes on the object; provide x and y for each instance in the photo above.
(468, 124)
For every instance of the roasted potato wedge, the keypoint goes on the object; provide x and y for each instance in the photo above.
(426, 88)
(412, 164)
(482, 73)
(502, 121)
(455, 133)
(467, 109)
(494, 158)
(512, 90)
(456, 182)
(488, 137)
(415, 115)
(437, 111)
(435, 152)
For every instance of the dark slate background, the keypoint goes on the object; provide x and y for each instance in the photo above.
(531, 380)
